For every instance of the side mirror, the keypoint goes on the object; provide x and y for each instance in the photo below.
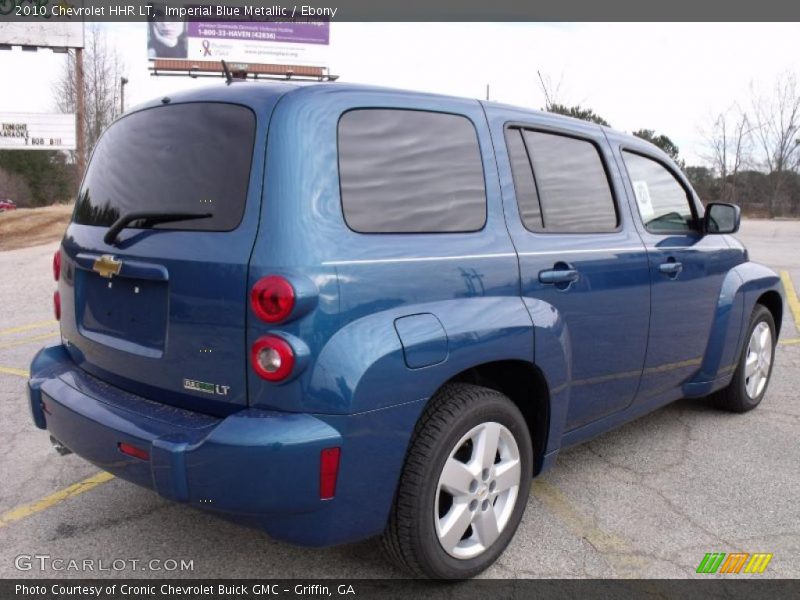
(722, 218)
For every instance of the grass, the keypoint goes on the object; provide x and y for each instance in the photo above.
(33, 226)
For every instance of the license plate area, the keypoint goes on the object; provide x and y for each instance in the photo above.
(125, 313)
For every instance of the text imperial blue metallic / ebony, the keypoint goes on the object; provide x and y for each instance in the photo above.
(342, 311)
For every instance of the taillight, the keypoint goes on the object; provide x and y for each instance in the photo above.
(272, 299)
(328, 472)
(57, 265)
(272, 358)
(57, 305)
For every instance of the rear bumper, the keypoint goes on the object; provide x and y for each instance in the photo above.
(261, 465)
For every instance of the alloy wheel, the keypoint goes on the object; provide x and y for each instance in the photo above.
(477, 490)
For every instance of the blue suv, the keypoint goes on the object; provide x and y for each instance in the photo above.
(341, 311)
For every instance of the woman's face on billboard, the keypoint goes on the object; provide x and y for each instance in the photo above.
(169, 32)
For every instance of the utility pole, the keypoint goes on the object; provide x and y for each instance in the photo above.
(487, 91)
(122, 82)
(80, 113)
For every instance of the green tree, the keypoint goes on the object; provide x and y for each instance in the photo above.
(46, 173)
(704, 182)
(660, 140)
(578, 112)
(700, 176)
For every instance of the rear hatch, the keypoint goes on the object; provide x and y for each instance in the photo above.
(160, 310)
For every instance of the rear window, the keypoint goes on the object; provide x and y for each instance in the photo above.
(185, 158)
(406, 171)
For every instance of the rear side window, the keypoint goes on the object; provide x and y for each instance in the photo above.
(572, 182)
(407, 171)
(663, 203)
(184, 158)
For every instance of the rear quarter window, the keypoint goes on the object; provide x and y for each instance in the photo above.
(409, 171)
(179, 158)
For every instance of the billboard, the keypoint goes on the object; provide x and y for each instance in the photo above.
(268, 42)
(53, 34)
(35, 131)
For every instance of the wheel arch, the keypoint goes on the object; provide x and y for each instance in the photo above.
(525, 385)
(773, 302)
(743, 287)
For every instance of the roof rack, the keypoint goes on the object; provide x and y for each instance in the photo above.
(212, 68)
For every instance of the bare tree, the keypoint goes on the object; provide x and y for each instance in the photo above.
(776, 118)
(103, 68)
(729, 147)
(551, 91)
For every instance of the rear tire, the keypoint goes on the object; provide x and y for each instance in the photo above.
(751, 378)
(464, 485)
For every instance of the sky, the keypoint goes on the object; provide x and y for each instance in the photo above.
(669, 77)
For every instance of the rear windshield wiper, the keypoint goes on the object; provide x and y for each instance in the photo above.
(148, 217)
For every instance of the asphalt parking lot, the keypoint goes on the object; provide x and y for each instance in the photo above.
(647, 500)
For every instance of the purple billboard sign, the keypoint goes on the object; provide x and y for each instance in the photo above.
(302, 43)
(263, 31)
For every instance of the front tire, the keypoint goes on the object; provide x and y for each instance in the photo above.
(464, 486)
(750, 381)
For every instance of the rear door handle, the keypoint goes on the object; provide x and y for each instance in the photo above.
(670, 268)
(558, 276)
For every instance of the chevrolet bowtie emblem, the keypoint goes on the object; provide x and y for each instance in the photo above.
(107, 266)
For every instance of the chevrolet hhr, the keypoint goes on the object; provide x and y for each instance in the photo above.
(339, 311)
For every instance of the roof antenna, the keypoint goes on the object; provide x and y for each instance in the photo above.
(226, 71)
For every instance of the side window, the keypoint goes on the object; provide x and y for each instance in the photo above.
(568, 189)
(663, 203)
(408, 171)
